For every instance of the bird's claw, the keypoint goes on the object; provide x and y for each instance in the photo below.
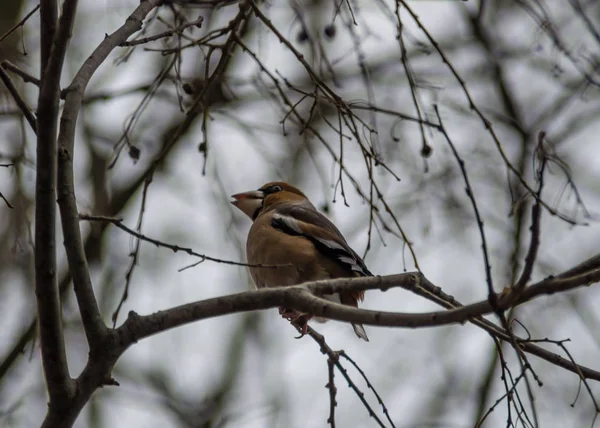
(302, 327)
(297, 319)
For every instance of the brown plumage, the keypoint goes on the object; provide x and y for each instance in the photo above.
(288, 230)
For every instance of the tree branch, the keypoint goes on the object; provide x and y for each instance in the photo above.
(536, 219)
(305, 298)
(92, 319)
(97, 372)
(300, 298)
(20, 101)
(54, 359)
(20, 23)
(27, 78)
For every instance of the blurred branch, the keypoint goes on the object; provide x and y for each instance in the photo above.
(536, 215)
(20, 23)
(486, 122)
(178, 30)
(5, 200)
(119, 199)
(546, 25)
(5, 165)
(591, 264)
(27, 78)
(583, 14)
(20, 101)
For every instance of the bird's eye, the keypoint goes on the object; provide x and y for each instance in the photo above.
(272, 189)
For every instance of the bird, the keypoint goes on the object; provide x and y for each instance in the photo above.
(289, 232)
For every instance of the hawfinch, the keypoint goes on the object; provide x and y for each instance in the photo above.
(288, 231)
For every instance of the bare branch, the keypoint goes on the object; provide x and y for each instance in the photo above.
(92, 319)
(27, 78)
(5, 201)
(536, 214)
(98, 370)
(175, 248)
(334, 359)
(20, 101)
(471, 195)
(332, 392)
(59, 384)
(587, 266)
(486, 122)
(370, 386)
(20, 23)
(178, 30)
(301, 298)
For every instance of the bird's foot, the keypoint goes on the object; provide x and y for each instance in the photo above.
(288, 314)
(301, 323)
(297, 319)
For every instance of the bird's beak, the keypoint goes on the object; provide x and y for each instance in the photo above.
(249, 202)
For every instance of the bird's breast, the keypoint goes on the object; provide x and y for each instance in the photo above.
(286, 259)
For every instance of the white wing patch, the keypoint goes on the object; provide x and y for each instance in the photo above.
(289, 222)
(333, 249)
(343, 255)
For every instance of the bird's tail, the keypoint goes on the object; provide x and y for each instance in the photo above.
(360, 331)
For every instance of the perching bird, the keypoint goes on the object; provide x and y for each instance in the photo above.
(288, 230)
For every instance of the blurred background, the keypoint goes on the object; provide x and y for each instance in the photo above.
(170, 128)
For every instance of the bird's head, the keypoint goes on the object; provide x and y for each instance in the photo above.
(255, 202)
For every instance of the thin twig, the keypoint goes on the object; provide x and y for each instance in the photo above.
(469, 189)
(486, 122)
(370, 386)
(20, 101)
(536, 214)
(135, 253)
(425, 147)
(175, 248)
(20, 23)
(332, 392)
(196, 23)
(27, 78)
(93, 322)
(582, 378)
(334, 358)
(5, 200)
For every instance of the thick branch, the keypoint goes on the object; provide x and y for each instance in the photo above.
(92, 320)
(98, 370)
(60, 386)
(301, 298)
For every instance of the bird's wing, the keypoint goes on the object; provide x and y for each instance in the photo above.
(298, 220)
